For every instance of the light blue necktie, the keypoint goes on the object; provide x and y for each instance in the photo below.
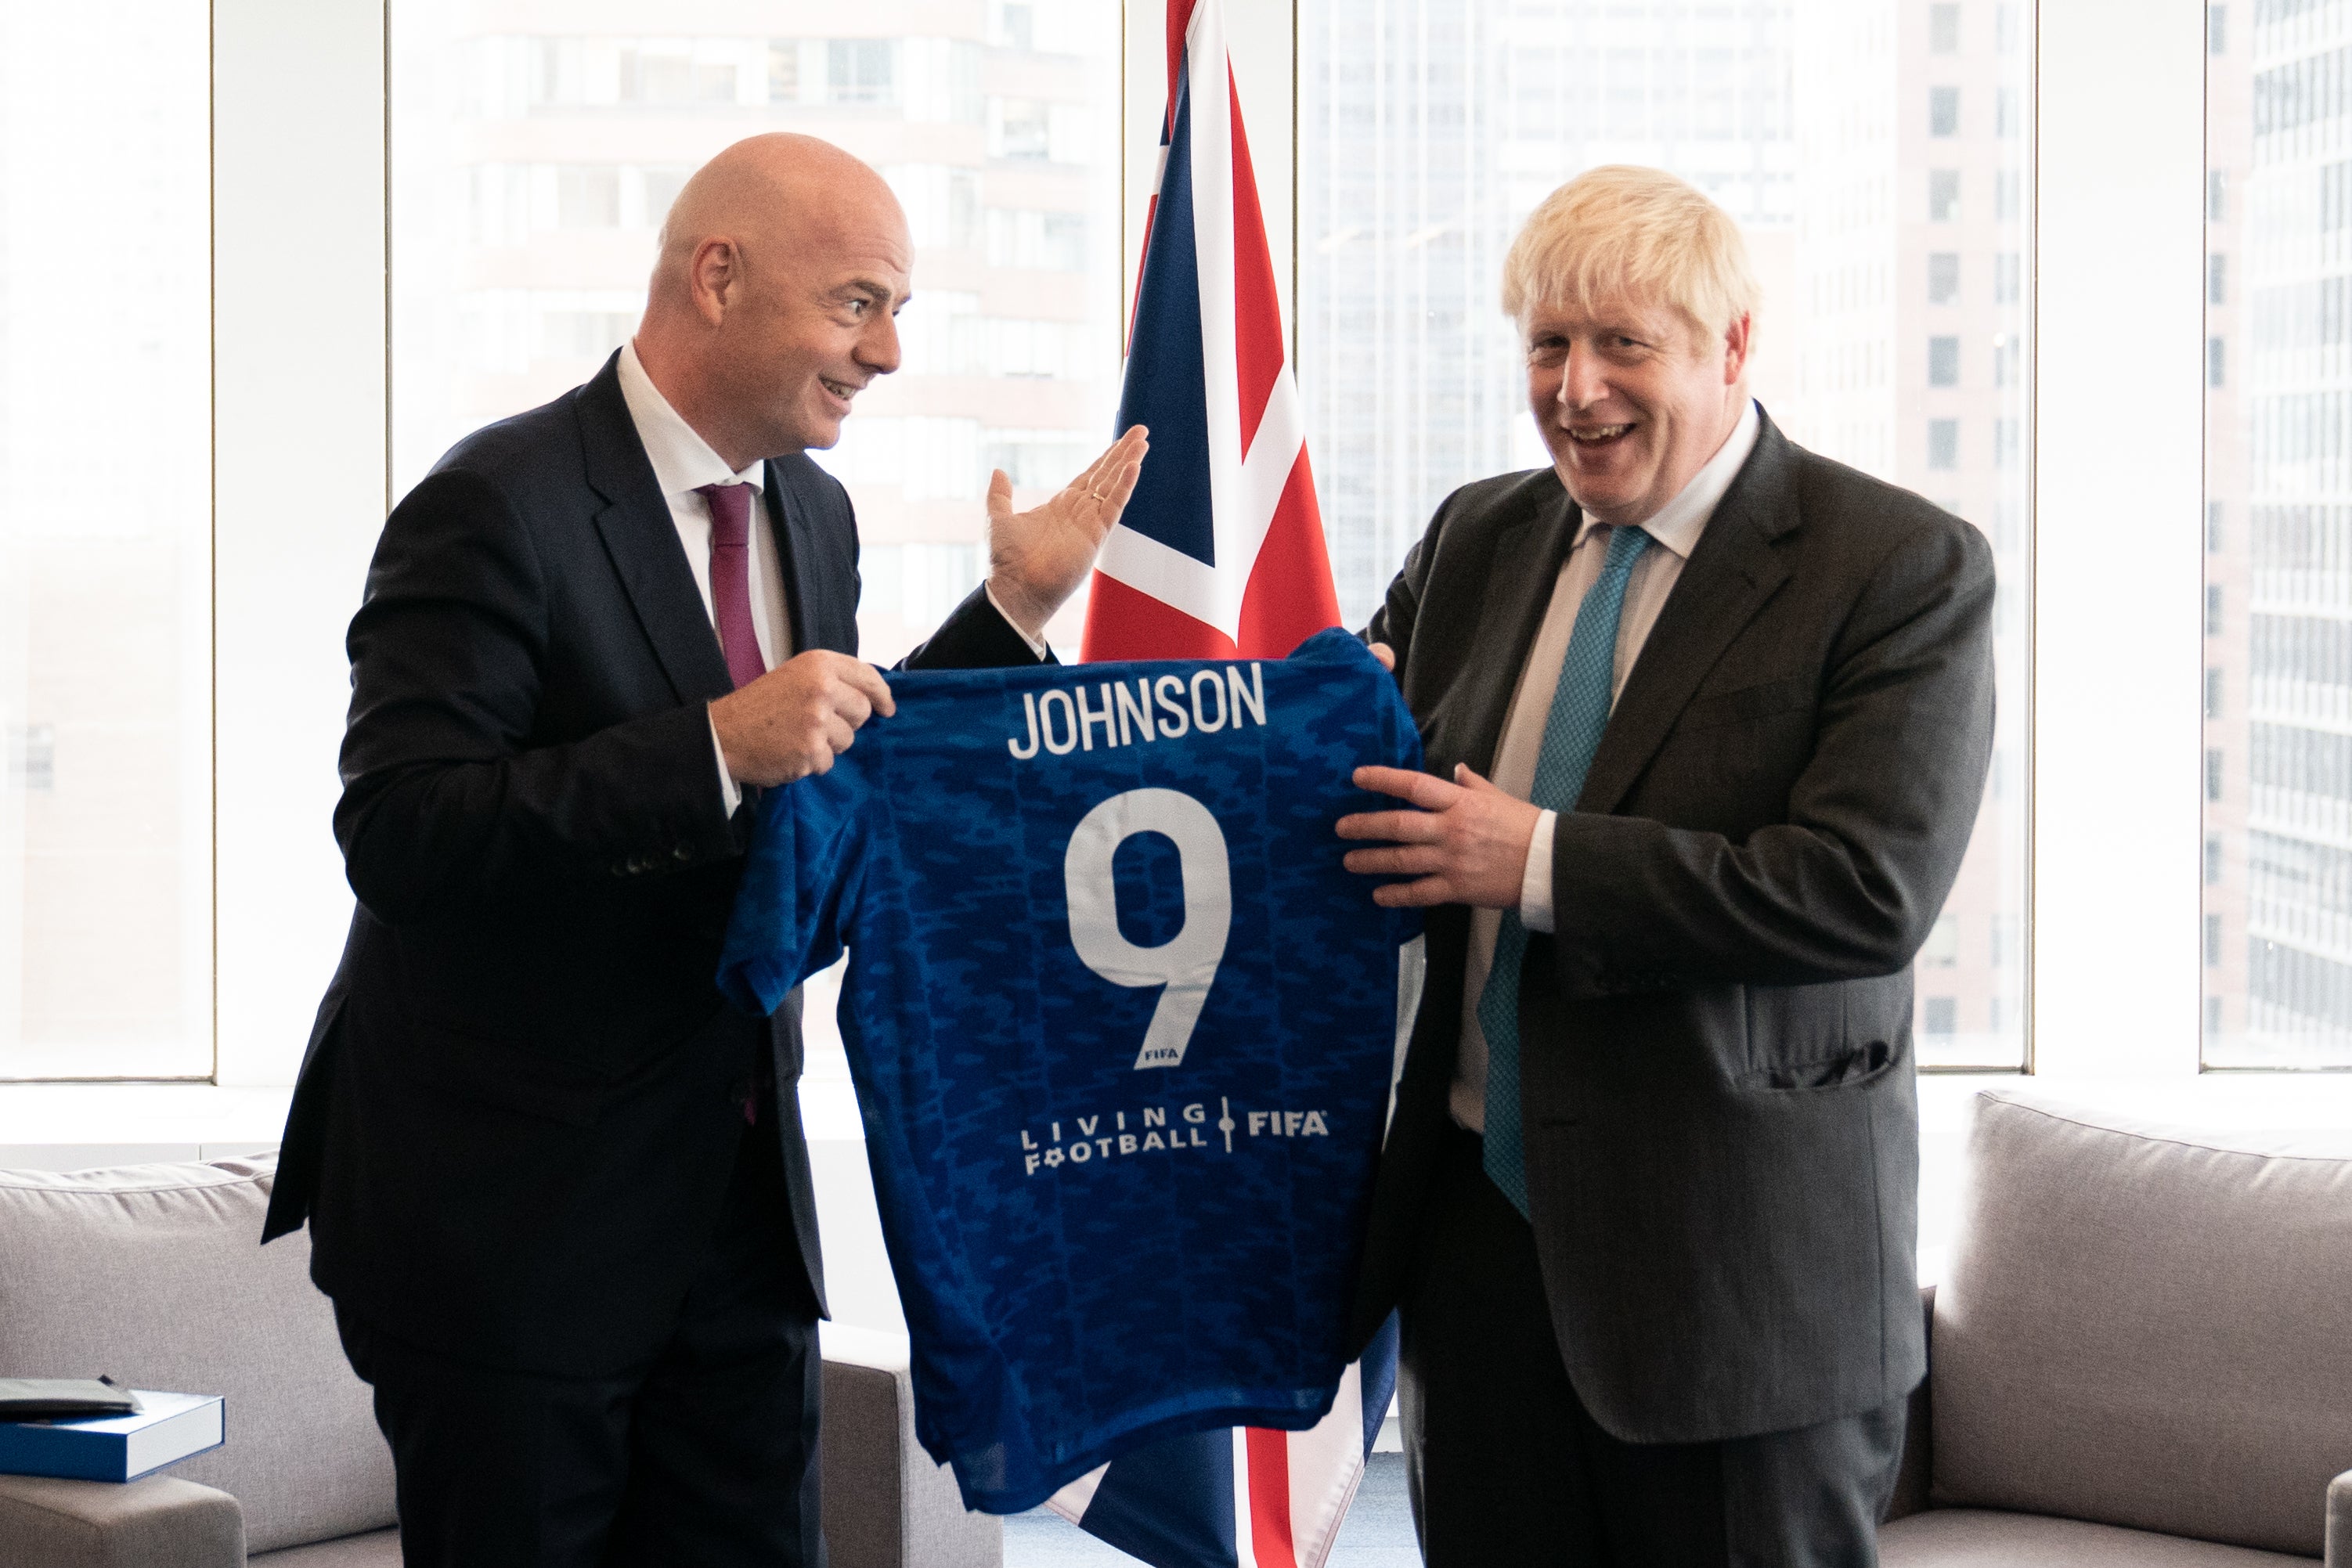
(1580, 712)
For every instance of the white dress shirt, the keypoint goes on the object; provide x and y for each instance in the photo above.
(1676, 528)
(683, 463)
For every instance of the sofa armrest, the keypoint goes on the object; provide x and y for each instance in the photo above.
(160, 1522)
(2339, 1521)
(1911, 1483)
(886, 1503)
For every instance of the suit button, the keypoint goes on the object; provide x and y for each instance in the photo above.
(683, 852)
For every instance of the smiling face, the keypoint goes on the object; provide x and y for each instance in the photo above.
(1632, 399)
(813, 322)
(785, 263)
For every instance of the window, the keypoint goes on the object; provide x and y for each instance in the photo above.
(1943, 29)
(1943, 278)
(2006, 185)
(1943, 195)
(106, 759)
(1943, 361)
(2212, 941)
(1427, 132)
(2005, 114)
(2277, 425)
(2213, 693)
(861, 71)
(1943, 444)
(513, 278)
(1943, 945)
(1943, 111)
(1942, 1016)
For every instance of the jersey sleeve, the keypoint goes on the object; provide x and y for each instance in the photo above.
(798, 880)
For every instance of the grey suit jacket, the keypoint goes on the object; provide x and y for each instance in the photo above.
(1722, 1131)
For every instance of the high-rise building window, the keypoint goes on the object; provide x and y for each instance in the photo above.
(1942, 28)
(2005, 29)
(2213, 773)
(2217, 29)
(2214, 527)
(2005, 187)
(2005, 115)
(1943, 112)
(1943, 361)
(1943, 444)
(1943, 195)
(1942, 1016)
(2216, 361)
(2213, 609)
(2217, 195)
(2213, 693)
(2008, 361)
(2008, 270)
(2217, 273)
(2335, 195)
(1943, 278)
(2212, 941)
(861, 71)
(2212, 861)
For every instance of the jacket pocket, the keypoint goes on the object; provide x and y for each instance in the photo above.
(1746, 702)
(491, 1073)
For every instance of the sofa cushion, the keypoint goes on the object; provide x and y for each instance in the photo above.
(156, 1275)
(2146, 1328)
(377, 1549)
(1979, 1538)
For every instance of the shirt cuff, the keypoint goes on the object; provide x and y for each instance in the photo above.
(1535, 881)
(1036, 645)
(730, 794)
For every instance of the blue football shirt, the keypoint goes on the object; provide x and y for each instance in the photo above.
(1122, 1028)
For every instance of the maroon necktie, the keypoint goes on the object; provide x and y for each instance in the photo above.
(731, 578)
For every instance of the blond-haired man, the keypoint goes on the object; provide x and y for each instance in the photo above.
(1716, 713)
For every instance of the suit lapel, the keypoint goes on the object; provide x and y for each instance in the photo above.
(1727, 580)
(790, 508)
(1519, 579)
(642, 540)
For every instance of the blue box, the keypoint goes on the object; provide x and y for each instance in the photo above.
(167, 1428)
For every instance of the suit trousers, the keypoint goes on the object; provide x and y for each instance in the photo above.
(707, 1454)
(1504, 1464)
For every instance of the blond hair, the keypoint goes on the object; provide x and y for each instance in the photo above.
(1623, 232)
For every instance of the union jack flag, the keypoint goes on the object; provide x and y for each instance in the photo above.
(1219, 555)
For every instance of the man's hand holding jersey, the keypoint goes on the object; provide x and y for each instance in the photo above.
(1464, 842)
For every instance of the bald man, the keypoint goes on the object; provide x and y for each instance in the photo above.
(557, 1190)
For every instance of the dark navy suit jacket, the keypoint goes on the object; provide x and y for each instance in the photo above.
(521, 1100)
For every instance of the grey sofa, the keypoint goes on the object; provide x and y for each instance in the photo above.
(153, 1273)
(2141, 1355)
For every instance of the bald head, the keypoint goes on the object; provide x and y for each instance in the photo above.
(784, 261)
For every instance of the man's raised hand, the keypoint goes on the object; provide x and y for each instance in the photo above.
(1036, 559)
(795, 719)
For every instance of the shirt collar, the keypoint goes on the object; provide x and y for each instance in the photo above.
(1678, 524)
(683, 462)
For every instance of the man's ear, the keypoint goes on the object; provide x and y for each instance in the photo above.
(1737, 339)
(711, 276)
